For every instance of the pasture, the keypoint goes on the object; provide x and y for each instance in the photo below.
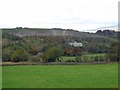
(61, 76)
(87, 56)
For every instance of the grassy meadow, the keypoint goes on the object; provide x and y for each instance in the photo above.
(61, 76)
(88, 56)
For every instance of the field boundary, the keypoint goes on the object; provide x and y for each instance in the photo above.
(54, 63)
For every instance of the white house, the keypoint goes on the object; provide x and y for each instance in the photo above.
(75, 44)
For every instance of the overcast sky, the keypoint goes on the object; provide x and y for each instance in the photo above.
(81, 15)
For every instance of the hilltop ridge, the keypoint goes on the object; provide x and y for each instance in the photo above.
(21, 32)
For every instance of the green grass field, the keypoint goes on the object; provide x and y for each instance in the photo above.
(61, 76)
(65, 58)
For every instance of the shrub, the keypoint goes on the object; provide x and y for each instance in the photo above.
(6, 56)
(112, 57)
(78, 59)
(101, 58)
(96, 58)
(52, 54)
(34, 59)
(19, 55)
(85, 59)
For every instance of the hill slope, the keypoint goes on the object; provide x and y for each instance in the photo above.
(21, 32)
